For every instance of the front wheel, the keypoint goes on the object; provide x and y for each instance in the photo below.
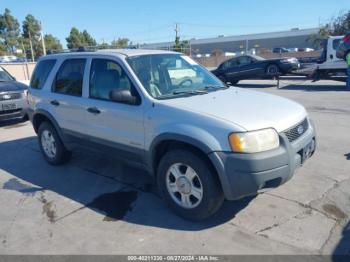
(189, 185)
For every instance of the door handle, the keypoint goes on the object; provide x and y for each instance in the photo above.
(55, 103)
(93, 110)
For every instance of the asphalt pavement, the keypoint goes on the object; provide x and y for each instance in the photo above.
(97, 205)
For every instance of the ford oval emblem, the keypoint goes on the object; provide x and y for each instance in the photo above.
(6, 97)
(300, 130)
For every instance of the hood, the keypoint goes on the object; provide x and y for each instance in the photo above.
(250, 110)
(12, 86)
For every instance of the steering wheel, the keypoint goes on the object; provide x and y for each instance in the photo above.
(185, 81)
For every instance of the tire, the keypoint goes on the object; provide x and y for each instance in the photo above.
(203, 179)
(235, 82)
(53, 150)
(272, 70)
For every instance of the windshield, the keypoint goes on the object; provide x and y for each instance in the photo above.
(170, 75)
(259, 58)
(4, 76)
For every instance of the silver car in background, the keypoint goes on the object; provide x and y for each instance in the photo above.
(13, 102)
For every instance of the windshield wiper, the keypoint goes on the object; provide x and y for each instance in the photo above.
(191, 92)
(177, 93)
(211, 87)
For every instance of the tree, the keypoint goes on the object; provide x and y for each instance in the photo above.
(339, 25)
(77, 39)
(88, 39)
(9, 32)
(31, 34)
(317, 39)
(52, 43)
(120, 43)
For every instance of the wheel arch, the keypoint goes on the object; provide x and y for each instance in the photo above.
(41, 116)
(270, 64)
(167, 141)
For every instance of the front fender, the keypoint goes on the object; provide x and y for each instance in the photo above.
(188, 134)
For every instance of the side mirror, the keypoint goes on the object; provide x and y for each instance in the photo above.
(123, 96)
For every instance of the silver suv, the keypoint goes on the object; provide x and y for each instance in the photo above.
(203, 142)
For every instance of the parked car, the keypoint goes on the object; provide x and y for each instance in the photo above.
(8, 59)
(279, 50)
(201, 141)
(252, 66)
(13, 103)
(344, 47)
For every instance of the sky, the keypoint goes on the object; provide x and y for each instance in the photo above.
(151, 21)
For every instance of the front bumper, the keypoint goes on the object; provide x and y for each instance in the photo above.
(289, 67)
(246, 174)
(19, 111)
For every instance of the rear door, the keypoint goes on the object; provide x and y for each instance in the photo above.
(66, 100)
(112, 125)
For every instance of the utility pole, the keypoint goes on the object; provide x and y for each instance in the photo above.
(177, 30)
(177, 38)
(42, 39)
(31, 45)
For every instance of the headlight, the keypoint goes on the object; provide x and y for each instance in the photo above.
(254, 141)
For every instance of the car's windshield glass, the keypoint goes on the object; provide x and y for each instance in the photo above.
(4, 76)
(259, 58)
(171, 75)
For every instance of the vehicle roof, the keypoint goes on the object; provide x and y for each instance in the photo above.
(254, 56)
(115, 52)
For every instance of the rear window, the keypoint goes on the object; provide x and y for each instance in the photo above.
(336, 43)
(41, 73)
(69, 78)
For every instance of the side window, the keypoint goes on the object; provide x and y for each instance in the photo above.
(224, 65)
(336, 43)
(233, 63)
(105, 76)
(41, 73)
(245, 60)
(69, 78)
(229, 63)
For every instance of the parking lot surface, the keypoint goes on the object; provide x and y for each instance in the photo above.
(97, 205)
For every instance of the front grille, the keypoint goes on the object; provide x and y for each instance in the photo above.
(10, 111)
(10, 96)
(297, 131)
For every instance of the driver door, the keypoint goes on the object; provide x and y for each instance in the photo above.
(113, 125)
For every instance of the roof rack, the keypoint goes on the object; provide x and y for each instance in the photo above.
(87, 49)
(79, 49)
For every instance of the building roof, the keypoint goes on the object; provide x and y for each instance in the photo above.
(280, 34)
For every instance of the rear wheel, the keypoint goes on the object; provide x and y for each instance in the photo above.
(272, 70)
(51, 145)
(189, 185)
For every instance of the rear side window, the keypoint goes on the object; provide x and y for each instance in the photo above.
(41, 73)
(69, 78)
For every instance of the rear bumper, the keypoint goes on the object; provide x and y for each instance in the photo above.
(246, 174)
